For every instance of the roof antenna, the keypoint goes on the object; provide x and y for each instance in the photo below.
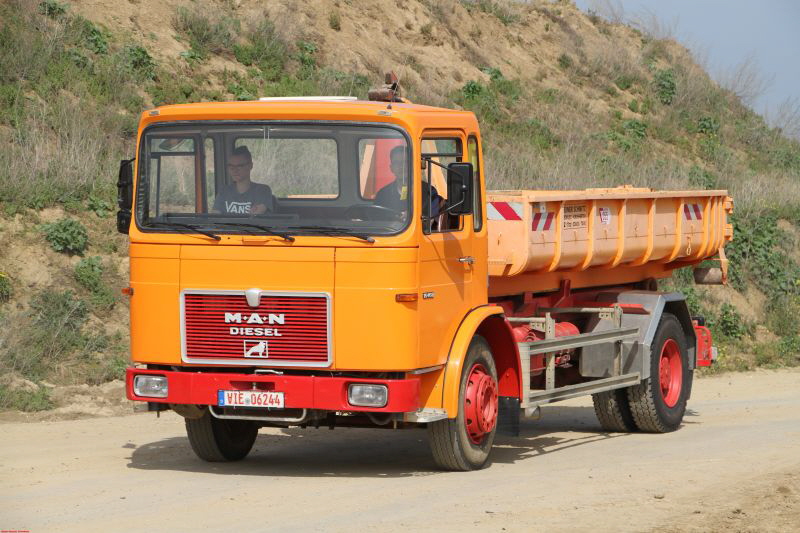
(388, 92)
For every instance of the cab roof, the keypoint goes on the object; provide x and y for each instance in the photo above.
(317, 108)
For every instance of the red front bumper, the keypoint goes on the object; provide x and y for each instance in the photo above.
(309, 392)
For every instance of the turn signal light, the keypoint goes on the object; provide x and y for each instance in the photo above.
(128, 291)
(406, 297)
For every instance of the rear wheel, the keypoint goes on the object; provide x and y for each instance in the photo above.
(613, 411)
(463, 443)
(218, 440)
(659, 402)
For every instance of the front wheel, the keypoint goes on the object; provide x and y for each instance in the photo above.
(659, 402)
(463, 443)
(218, 440)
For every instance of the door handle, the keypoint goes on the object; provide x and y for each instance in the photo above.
(469, 260)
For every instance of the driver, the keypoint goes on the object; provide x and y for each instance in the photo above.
(393, 194)
(242, 196)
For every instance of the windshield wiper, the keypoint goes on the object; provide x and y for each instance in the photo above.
(265, 229)
(187, 226)
(334, 232)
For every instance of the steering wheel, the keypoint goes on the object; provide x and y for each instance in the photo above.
(371, 212)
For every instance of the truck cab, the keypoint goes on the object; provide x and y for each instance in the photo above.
(329, 288)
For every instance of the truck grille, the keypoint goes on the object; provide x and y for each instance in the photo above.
(283, 328)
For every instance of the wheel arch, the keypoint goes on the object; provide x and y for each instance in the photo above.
(489, 322)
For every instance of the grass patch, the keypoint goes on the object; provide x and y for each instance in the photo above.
(205, 36)
(27, 401)
(89, 275)
(6, 289)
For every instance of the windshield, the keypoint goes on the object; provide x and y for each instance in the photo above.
(293, 179)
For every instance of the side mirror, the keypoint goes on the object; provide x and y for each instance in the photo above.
(125, 184)
(459, 188)
(123, 221)
(124, 195)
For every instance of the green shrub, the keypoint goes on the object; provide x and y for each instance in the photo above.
(701, 178)
(48, 335)
(52, 8)
(264, 49)
(625, 82)
(306, 54)
(665, 86)
(564, 61)
(24, 400)
(335, 21)
(89, 274)
(500, 9)
(6, 290)
(138, 62)
(729, 323)
(759, 254)
(633, 105)
(473, 89)
(99, 206)
(205, 37)
(493, 73)
(635, 128)
(66, 236)
(708, 125)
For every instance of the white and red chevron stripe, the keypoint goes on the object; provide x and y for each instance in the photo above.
(692, 212)
(504, 211)
(542, 221)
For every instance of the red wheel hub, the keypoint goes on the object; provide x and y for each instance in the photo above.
(480, 403)
(670, 373)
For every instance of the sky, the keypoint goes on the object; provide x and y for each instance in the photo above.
(727, 33)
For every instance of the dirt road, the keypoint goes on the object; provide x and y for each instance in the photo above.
(734, 465)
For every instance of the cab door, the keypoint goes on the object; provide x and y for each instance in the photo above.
(447, 260)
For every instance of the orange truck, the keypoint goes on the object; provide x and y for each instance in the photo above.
(336, 262)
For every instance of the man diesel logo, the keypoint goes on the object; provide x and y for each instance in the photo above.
(255, 318)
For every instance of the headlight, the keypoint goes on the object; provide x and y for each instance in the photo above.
(368, 395)
(150, 386)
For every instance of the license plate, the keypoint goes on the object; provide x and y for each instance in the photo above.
(250, 398)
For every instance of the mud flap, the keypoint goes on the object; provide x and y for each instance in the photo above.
(508, 416)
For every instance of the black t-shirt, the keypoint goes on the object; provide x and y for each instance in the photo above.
(229, 200)
(389, 196)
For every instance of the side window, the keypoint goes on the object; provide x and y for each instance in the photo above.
(375, 166)
(173, 169)
(439, 153)
(474, 158)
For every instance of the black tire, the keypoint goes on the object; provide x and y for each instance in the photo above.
(450, 443)
(614, 411)
(217, 440)
(650, 411)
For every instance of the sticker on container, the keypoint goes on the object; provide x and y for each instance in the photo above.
(575, 217)
(540, 207)
(605, 215)
(542, 221)
(504, 211)
(692, 212)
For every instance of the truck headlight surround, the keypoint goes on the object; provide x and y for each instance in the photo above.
(367, 395)
(150, 386)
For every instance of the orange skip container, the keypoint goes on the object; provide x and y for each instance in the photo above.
(599, 237)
